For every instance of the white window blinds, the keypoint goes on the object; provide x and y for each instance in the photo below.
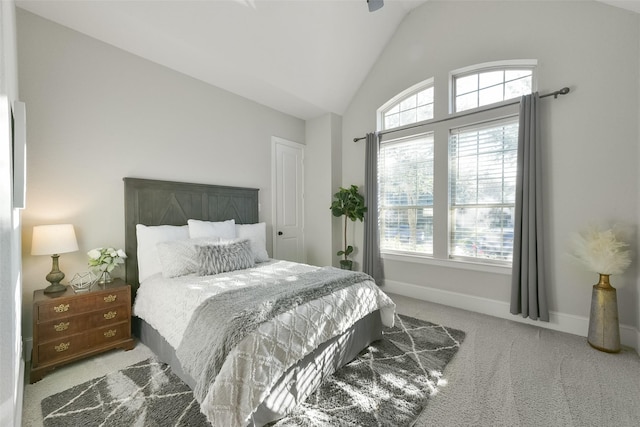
(483, 162)
(405, 172)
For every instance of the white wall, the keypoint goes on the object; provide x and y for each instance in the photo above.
(322, 178)
(638, 236)
(336, 182)
(590, 136)
(11, 360)
(98, 114)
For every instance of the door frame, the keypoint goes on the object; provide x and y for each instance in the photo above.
(275, 140)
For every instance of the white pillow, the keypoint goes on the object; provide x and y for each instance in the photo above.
(221, 229)
(257, 235)
(178, 257)
(148, 237)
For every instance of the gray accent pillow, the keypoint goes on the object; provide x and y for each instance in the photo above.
(224, 256)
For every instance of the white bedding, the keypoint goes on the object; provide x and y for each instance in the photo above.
(254, 366)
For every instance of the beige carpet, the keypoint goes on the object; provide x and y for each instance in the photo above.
(511, 374)
(505, 374)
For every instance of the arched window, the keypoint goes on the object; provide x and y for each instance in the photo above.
(408, 107)
(490, 83)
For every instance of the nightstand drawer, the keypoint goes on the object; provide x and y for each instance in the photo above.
(110, 299)
(109, 334)
(64, 308)
(59, 328)
(110, 316)
(64, 347)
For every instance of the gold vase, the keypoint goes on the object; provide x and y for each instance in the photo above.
(604, 330)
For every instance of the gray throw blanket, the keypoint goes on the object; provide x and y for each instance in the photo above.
(222, 321)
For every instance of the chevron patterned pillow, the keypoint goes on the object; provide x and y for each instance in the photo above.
(224, 256)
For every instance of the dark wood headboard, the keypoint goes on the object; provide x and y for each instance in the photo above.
(152, 202)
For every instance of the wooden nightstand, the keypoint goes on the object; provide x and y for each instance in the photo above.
(69, 326)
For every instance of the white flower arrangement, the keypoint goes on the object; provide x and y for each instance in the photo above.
(105, 259)
(601, 251)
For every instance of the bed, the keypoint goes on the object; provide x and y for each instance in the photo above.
(275, 353)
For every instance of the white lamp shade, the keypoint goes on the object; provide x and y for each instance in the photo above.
(53, 239)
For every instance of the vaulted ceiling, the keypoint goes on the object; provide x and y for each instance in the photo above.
(302, 57)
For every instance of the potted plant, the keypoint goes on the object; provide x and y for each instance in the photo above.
(349, 203)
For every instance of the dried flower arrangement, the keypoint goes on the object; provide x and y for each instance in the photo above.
(601, 251)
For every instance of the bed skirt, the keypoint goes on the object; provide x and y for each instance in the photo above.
(288, 391)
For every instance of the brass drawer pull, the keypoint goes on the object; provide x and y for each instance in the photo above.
(63, 346)
(61, 308)
(110, 298)
(110, 333)
(110, 315)
(62, 326)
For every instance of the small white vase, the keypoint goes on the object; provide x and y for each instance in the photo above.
(105, 277)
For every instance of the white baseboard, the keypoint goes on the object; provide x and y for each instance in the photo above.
(577, 325)
(20, 397)
(27, 344)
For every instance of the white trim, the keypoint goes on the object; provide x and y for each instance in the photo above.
(27, 345)
(577, 325)
(20, 396)
(449, 263)
(506, 63)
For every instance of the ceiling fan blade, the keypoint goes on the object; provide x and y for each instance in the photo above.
(375, 5)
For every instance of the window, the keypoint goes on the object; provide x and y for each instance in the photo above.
(414, 107)
(490, 86)
(447, 185)
(405, 194)
(482, 169)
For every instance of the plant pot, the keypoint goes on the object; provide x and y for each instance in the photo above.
(346, 264)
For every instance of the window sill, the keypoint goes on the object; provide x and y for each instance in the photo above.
(448, 263)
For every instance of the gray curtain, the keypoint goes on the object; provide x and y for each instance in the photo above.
(528, 294)
(371, 260)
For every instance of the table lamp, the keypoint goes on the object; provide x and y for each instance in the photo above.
(54, 240)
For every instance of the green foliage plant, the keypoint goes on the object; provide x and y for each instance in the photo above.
(348, 202)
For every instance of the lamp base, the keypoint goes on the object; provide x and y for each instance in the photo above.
(54, 277)
(54, 288)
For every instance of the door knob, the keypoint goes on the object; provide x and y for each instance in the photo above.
(279, 233)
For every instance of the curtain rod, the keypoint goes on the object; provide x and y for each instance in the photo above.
(563, 91)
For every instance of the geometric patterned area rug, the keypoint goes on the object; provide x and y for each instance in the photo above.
(144, 394)
(389, 383)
